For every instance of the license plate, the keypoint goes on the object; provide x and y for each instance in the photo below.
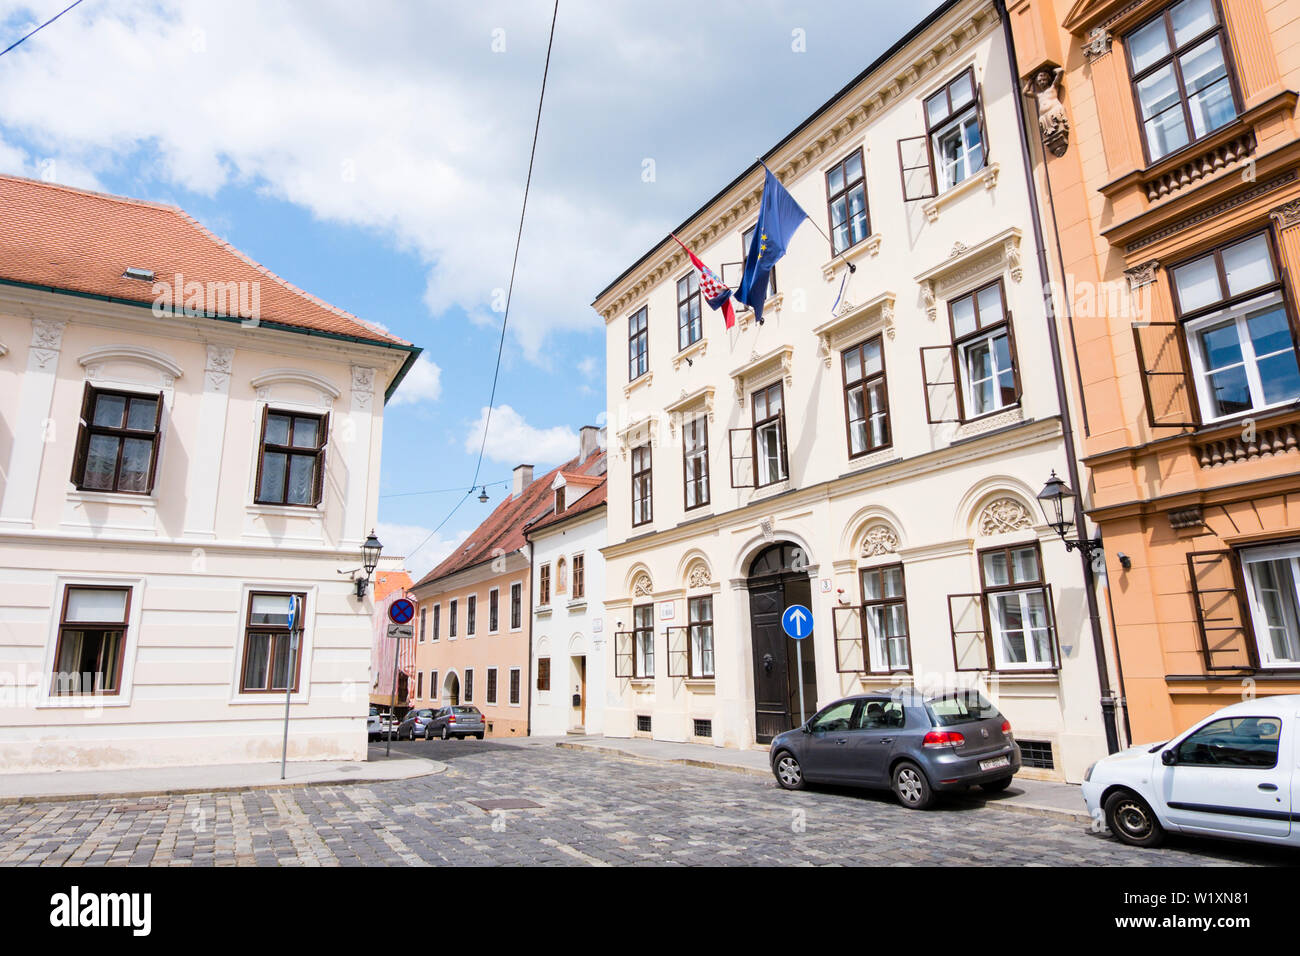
(995, 763)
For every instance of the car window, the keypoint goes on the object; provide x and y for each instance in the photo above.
(424, 713)
(961, 707)
(835, 717)
(1233, 742)
(465, 710)
(881, 715)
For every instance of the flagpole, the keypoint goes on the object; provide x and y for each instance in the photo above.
(838, 255)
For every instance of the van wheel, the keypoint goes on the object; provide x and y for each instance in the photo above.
(788, 772)
(1132, 820)
(911, 787)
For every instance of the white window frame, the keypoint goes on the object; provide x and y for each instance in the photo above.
(957, 126)
(968, 384)
(1032, 662)
(1238, 315)
(1262, 629)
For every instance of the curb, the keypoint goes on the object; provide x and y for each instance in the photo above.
(437, 767)
(1027, 809)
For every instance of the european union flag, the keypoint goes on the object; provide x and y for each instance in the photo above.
(778, 217)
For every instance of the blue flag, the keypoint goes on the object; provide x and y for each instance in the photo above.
(778, 217)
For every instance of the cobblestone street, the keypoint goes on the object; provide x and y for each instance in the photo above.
(591, 809)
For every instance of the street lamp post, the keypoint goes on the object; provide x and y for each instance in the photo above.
(1061, 512)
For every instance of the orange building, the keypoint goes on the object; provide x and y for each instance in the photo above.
(473, 639)
(1170, 163)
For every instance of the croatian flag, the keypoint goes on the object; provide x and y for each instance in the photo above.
(715, 293)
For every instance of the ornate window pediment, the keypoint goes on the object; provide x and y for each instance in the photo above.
(325, 390)
(855, 322)
(698, 402)
(779, 361)
(128, 362)
(966, 265)
(642, 586)
(699, 575)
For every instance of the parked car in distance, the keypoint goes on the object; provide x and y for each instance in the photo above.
(376, 723)
(414, 724)
(1229, 775)
(460, 721)
(916, 744)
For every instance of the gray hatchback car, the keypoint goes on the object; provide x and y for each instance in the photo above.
(459, 721)
(915, 744)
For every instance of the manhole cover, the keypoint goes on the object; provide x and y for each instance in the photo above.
(506, 803)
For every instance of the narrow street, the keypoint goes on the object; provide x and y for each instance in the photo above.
(571, 808)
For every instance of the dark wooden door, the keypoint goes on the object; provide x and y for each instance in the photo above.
(771, 677)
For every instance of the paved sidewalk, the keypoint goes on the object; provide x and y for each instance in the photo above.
(1036, 797)
(153, 781)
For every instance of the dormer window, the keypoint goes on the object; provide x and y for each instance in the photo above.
(559, 500)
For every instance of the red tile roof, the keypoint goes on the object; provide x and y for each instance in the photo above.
(81, 241)
(588, 502)
(504, 528)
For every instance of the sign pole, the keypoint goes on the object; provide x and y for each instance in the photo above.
(295, 629)
(798, 656)
(392, 700)
(400, 613)
(796, 621)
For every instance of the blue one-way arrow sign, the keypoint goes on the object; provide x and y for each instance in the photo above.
(797, 621)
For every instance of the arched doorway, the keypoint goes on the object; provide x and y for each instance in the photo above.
(778, 578)
(451, 690)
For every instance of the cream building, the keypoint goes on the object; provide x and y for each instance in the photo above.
(876, 461)
(169, 480)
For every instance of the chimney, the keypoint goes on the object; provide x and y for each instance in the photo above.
(590, 441)
(523, 478)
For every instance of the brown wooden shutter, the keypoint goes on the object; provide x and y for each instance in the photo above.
(1166, 383)
(318, 490)
(1056, 634)
(261, 457)
(916, 168)
(1293, 316)
(785, 457)
(742, 462)
(1227, 638)
(157, 435)
(984, 126)
(971, 649)
(679, 652)
(624, 659)
(1015, 355)
(850, 640)
(941, 399)
(83, 437)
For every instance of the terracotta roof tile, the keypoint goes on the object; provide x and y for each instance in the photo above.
(81, 241)
(505, 527)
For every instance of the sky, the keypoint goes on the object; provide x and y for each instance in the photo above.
(375, 155)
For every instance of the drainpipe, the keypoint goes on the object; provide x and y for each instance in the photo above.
(1108, 702)
(526, 688)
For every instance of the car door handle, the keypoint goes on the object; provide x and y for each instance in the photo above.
(841, 740)
(886, 740)
(1268, 786)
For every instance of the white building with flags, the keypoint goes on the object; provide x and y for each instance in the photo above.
(876, 458)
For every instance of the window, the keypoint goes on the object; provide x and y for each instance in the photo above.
(884, 613)
(700, 614)
(266, 644)
(514, 686)
(769, 435)
(1019, 608)
(643, 723)
(638, 344)
(491, 697)
(579, 577)
(866, 399)
(846, 203)
(469, 685)
(433, 685)
(835, 718)
(117, 442)
(984, 351)
(544, 585)
(451, 618)
(471, 614)
(424, 620)
(559, 501)
(702, 728)
(419, 685)
(289, 467)
(690, 327)
(1179, 70)
(92, 641)
(561, 575)
(437, 621)
(695, 461)
(643, 641)
(1250, 742)
(1239, 335)
(516, 606)
(642, 510)
(1036, 753)
(543, 673)
(494, 610)
(954, 125)
(746, 239)
(1273, 590)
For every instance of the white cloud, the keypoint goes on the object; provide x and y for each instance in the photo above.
(423, 383)
(400, 540)
(512, 441)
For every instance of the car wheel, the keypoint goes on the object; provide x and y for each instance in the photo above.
(911, 787)
(1132, 820)
(445, 735)
(788, 772)
(996, 786)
